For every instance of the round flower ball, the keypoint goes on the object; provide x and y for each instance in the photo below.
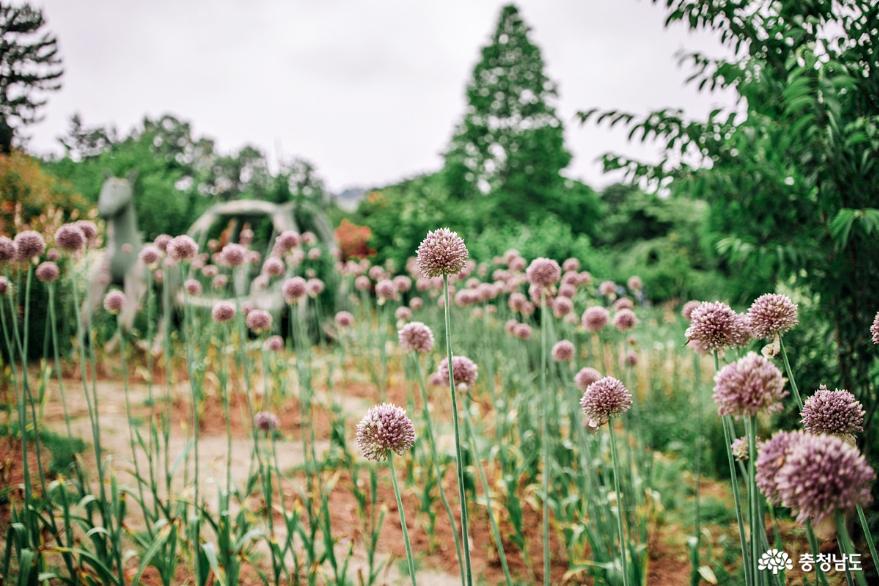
(274, 343)
(687, 309)
(607, 288)
(821, 475)
(287, 241)
(47, 272)
(624, 320)
(383, 431)
(233, 255)
(634, 283)
(403, 314)
(182, 248)
(258, 321)
(543, 273)
(595, 318)
(344, 319)
(28, 245)
(314, 287)
(162, 241)
(772, 315)
(522, 331)
(113, 302)
(442, 252)
(88, 229)
(712, 326)
(771, 456)
(741, 334)
(464, 371)
(416, 337)
(740, 449)
(192, 287)
(265, 421)
(150, 255)
(834, 412)
(7, 250)
(603, 399)
(563, 351)
(562, 306)
(222, 311)
(70, 238)
(585, 377)
(273, 267)
(385, 290)
(749, 386)
(294, 289)
(874, 329)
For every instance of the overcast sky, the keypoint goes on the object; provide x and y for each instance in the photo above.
(368, 90)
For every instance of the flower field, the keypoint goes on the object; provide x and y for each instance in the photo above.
(501, 420)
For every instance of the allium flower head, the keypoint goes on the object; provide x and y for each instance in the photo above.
(874, 329)
(543, 273)
(416, 337)
(749, 386)
(294, 289)
(771, 456)
(607, 288)
(88, 229)
(265, 421)
(150, 254)
(69, 237)
(258, 321)
(182, 248)
(403, 314)
(562, 306)
(823, 474)
(585, 377)
(402, 283)
(7, 249)
(28, 245)
(834, 412)
(712, 326)
(47, 272)
(113, 301)
(234, 255)
(274, 266)
(344, 319)
(222, 311)
(162, 241)
(385, 290)
(742, 334)
(595, 318)
(274, 343)
(383, 431)
(604, 399)
(740, 449)
(634, 283)
(464, 370)
(571, 264)
(623, 303)
(287, 241)
(563, 351)
(772, 315)
(192, 287)
(522, 331)
(442, 252)
(687, 309)
(624, 320)
(631, 358)
(314, 287)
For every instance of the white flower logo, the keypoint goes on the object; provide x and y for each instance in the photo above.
(775, 561)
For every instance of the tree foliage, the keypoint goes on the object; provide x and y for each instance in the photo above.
(30, 67)
(792, 175)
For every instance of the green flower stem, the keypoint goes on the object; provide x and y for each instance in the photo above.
(845, 544)
(865, 527)
(620, 506)
(751, 431)
(409, 558)
(458, 452)
(545, 441)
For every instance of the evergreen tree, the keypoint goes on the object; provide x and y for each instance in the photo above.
(30, 66)
(510, 143)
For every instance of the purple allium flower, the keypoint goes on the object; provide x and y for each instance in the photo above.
(687, 309)
(192, 287)
(223, 311)
(258, 321)
(309, 238)
(162, 241)
(823, 474)
(385, 429)
(595, 318)
(624, 320)
(70, 238)
(362, 283)
(246, 236)
(344, 319)
(219, 281)
(607, 288)
(403, 313)
(442, 252)
(294, 289)
(740, 449)
(563, 351)
(182, 248)
(48, 272)
(543, 273)
(874, 329)
(749, 386)
(234, 255)
(287, 241)
(741, 334)
(604, 399)
(631, 358)
(150, 255)
(273, 343)
(571, 264)
(712, 325)
(464, 370)
(28, 245)
(634, 283)
(771, 456)
(266, 421)
(314, 287)
(623, 303)
(88, 229)
(834, 412)
(522, 331)
(416, 303)
(274, 266)
(402, 283)
(5, 285)
(585, 377)
(7, 249)
(416, 337)
(113, 301)
(772, 315)
(562, 306)
(567, 291)
(385, 290)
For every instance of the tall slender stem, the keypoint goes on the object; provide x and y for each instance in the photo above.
(845, 544)
(620, 500)
(545, 441)
(458, 452)
(408, 545)
(750, 429)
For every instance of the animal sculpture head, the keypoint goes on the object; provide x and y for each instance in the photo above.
(116, 195)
